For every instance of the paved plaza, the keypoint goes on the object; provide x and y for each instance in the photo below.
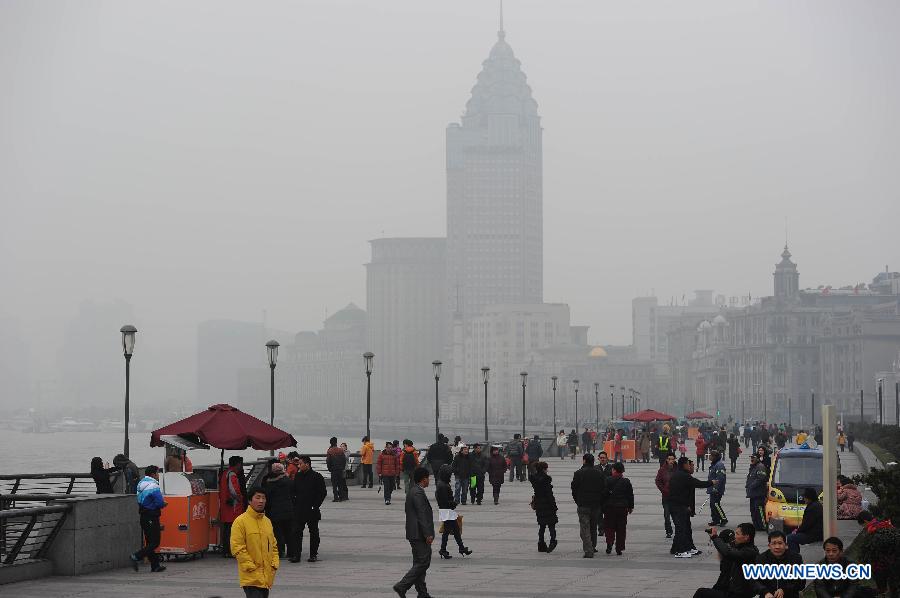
(364, 552)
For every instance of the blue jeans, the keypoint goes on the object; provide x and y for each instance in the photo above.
(461, 490)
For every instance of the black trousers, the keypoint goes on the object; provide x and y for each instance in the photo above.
(757, 512)
(313, 537)
(710, 593)
(733, 463)
(421, 555)
(477, 493)
(496, 491)
(716, 511)
(367, 475)
(542, 527)
(684, 539)
(150, 527)
(225, 540)
(283, 529)
(450, 527)
(388, 483)
(339, 485)
(254, 592)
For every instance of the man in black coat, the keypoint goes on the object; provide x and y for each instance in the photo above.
(479, 468)
(280, 508)
(811, 525)
(681, 505)
(309, 492)
(589, 492)
(462, 469)
(438, 454)
(777, 554)
(731, 582)
(420, 533)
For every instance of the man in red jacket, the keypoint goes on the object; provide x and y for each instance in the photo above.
(387, 468)
(231, 500)
(662, 483)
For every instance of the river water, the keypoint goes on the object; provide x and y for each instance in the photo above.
(26, 452)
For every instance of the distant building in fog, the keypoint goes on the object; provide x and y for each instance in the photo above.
(765, 360)
(495, 191)
(407, 319)
(89, 362)
(321, 374)
(224, 349)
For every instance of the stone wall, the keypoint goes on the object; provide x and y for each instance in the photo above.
(98, 534)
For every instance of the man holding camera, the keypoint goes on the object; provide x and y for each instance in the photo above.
(735, 550)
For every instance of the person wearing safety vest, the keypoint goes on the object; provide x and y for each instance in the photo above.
(665, 447)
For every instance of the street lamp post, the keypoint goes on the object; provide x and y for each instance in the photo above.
(436, 366)
(881, 401)
(524, 376)
(272, 350)
(789, 410)
(485, 375)
(812, 408)
(128, 331)
(369, 359)
(861, 391)
(612, 402)
(554, 379)
(575, 382)
(597, 406)
(622, 388)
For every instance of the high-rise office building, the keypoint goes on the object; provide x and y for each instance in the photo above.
(494, 192)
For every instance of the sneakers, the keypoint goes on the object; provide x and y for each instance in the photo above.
(668, 534)
(387, 502)
(683, 555)
(695, 552)
(134, 561)
(551, 546)
(159, 569)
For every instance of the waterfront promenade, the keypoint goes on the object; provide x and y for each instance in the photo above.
(364, 552)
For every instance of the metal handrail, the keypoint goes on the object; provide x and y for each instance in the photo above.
(27, 534)
(39, 483)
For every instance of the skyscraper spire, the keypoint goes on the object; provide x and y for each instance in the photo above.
(501, 33)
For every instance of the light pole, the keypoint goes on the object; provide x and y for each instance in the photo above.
(789, 410)
(612, 402)
(369, 359)
(485, 375)
(897, 402)
(554, 379)
(812, 409)
(524, 376)
(637, 401)
(272, 350)
(575, 382)
(756, 397)
(128, 331)
(622, 388)
(436, 366)
(881, 401)
(597, 405)
(861, 405)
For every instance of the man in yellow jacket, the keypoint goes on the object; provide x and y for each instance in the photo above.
(253, 545)
(366, 453)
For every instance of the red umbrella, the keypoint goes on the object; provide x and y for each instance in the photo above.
(648, 415)
(698, 415)
(226, 427)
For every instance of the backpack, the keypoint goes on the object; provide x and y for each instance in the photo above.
(409, 461)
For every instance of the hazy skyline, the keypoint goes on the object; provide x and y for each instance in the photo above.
(215, 160)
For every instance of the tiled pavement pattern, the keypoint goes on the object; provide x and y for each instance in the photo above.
(364, 552)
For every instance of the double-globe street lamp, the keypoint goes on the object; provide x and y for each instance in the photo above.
(622, 388)
(554, 379)
(128, 331)
(369, 359)
(485, 375)
(524, 376)
(597, 406)
(436, 366)
(272, 351)
(612, 402)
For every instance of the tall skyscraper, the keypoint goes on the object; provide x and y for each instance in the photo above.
(494, 192)
(405, 296)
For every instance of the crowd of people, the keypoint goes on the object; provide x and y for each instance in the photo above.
(285, 501)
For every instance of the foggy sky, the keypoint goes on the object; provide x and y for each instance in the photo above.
(217, 159)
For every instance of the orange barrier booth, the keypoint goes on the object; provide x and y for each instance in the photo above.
(628, 450)
(185, 521)
(693, 432)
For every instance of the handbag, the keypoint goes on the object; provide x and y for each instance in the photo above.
(473, 482)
